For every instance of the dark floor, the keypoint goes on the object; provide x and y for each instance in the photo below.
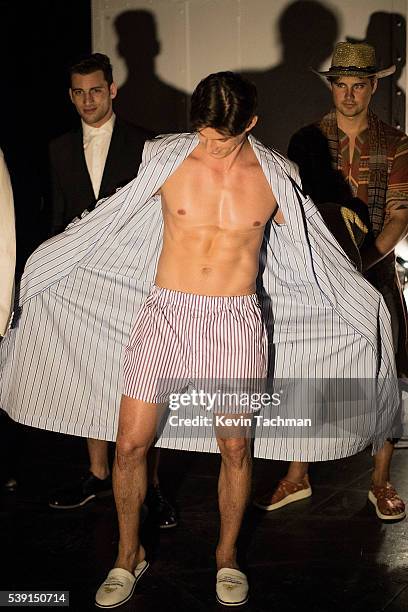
(326, 554)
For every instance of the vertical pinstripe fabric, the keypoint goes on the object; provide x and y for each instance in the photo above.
(311, 337)
(325, 321)
(206, 342)
(61, 367)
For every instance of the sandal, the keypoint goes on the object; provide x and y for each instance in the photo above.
(385, 499)
(285, 493)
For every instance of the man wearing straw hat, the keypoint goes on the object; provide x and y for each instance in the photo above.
(371, 160)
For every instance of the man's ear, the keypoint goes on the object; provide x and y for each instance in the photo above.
(70, 95)
(113, 90)
(252, 123)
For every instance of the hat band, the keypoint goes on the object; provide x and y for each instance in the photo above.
(371, 69)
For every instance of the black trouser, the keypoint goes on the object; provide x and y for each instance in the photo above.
(8, 448)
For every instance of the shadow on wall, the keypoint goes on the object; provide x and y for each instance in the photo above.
(290, 95)
(144, 99)
(387, 33)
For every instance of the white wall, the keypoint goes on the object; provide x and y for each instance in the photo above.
(201, 36)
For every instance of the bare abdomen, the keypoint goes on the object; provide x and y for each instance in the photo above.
(210, 262)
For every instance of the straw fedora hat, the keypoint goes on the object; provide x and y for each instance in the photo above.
(355, 59)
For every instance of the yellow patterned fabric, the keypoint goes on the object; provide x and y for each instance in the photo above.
(352, 220)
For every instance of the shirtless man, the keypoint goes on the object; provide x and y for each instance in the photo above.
(215, 208)
(204, 323)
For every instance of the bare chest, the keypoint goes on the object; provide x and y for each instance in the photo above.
(240, 200)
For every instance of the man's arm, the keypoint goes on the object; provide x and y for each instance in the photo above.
(396, 212)
(7, 246)
(396, 229)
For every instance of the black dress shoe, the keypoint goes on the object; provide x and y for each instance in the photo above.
(80, 493)
(160, 509)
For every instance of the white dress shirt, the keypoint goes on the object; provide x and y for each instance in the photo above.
(96, 146)
(7, 246)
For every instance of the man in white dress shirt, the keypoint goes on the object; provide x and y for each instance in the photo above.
(88, 164)
(103, 153)
(96, 136)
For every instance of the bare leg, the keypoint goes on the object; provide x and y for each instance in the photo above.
(382, 462)
(137, 428)
(98, 458)
(297, 471)
(386, 499)
(99, 464)
(233, 492)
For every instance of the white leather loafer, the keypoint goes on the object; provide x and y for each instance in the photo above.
(119, 586)
(232, 587)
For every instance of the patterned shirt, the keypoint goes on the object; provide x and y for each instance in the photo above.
(357, 173)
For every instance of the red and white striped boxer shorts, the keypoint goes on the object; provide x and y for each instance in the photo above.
(182, 339)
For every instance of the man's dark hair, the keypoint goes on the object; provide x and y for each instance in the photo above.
(224, 101)
(92, 63)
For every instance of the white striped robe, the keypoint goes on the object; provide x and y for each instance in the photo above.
(61, 366)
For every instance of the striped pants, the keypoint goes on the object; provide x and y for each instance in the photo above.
(182, 340)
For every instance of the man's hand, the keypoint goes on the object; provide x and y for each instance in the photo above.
(395, 229)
